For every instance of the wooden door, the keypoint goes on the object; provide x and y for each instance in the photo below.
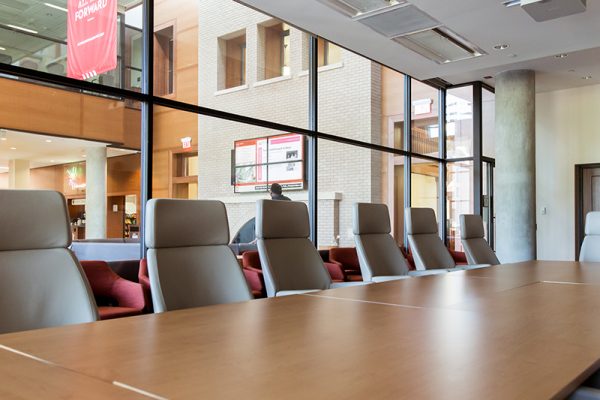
(587, 181)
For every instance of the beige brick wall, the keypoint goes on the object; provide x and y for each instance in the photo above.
(349, 106)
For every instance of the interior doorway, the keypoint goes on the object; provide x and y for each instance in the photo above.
(587, 198)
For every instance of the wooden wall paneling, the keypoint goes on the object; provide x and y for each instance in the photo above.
(273, 48)
(35, 108)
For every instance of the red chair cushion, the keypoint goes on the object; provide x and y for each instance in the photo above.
(459, 257)
(112, 290)
(346, 256)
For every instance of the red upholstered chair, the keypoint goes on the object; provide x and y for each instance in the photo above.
(460, 258)
(144, 280)
(336, 272)
(347, 259)
(253, 273)
(116, 297)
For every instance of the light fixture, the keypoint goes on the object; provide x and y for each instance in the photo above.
(561, 55)
(83, 155)
(56, 7)
(48, 141)
(3, 139)
(20, 28)
(501, 46)
(13, 148)
(511, 3)
(2, 48)
(588, 77)
(488, 77)
(52, 160)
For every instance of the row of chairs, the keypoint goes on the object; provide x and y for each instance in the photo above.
(42, 284)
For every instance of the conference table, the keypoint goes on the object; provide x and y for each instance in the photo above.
(516, 331)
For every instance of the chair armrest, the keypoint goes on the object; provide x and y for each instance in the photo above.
(129, 294)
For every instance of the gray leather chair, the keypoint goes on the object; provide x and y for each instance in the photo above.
(590, 248)
(291, 264)
(428, 249)
(41, 281)
(379, 256)
(189, 262)
(478, 251)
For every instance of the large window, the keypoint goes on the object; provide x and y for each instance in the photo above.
(250, 75)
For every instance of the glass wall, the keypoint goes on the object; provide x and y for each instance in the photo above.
(86, 146)
(425, 130)
(360, 176)
(35, 35)
(250, 73)
(459, 191)
(459, 122)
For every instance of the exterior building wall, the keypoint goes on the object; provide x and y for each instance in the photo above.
(349, 106)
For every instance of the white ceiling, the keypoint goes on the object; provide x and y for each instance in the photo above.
(484, 23)
(41, 153)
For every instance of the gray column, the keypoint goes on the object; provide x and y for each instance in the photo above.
(95, 193)
(514, 185)
(18, 174)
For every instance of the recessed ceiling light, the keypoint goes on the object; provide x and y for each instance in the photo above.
(13, 148)
(586, 77)
(48, 141)
(56, 7)
(83, 155)
(20, 28)
(561, 55)
(501, 46)
(52, 160)
(3, 139)
(2, 48)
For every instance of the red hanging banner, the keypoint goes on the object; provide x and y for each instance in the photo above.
(91, 37)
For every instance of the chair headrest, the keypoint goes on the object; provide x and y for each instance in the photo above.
(592, 223)
(277, 219)
(471, 226)
(33, 219)
(371, 218)
(185, 223)
(420, 221)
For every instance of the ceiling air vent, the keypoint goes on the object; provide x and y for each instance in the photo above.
(353, 8)
(398, 20)
(440, 45)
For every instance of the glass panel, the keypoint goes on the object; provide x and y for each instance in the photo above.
(371, 109)
(488, 116)
(229, 57)
(35, 35)
(459, 187)
(224, 160)
(361, 175)
(85, 146)
(425, 185)
(459, 122)
(425, 130)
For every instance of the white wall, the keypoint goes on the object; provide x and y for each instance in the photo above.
(567, 133)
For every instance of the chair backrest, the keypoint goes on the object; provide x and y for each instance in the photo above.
(41, 281)
(189, 262)
(378, 252)
(289, 259)
(590, 248)
(427, 248)
(478, 251)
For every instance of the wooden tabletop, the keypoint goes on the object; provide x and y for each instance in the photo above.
(507, 332)
(25, 378)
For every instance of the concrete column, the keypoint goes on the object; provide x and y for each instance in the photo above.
(95, 193)
(18, 174)
(515, 166)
